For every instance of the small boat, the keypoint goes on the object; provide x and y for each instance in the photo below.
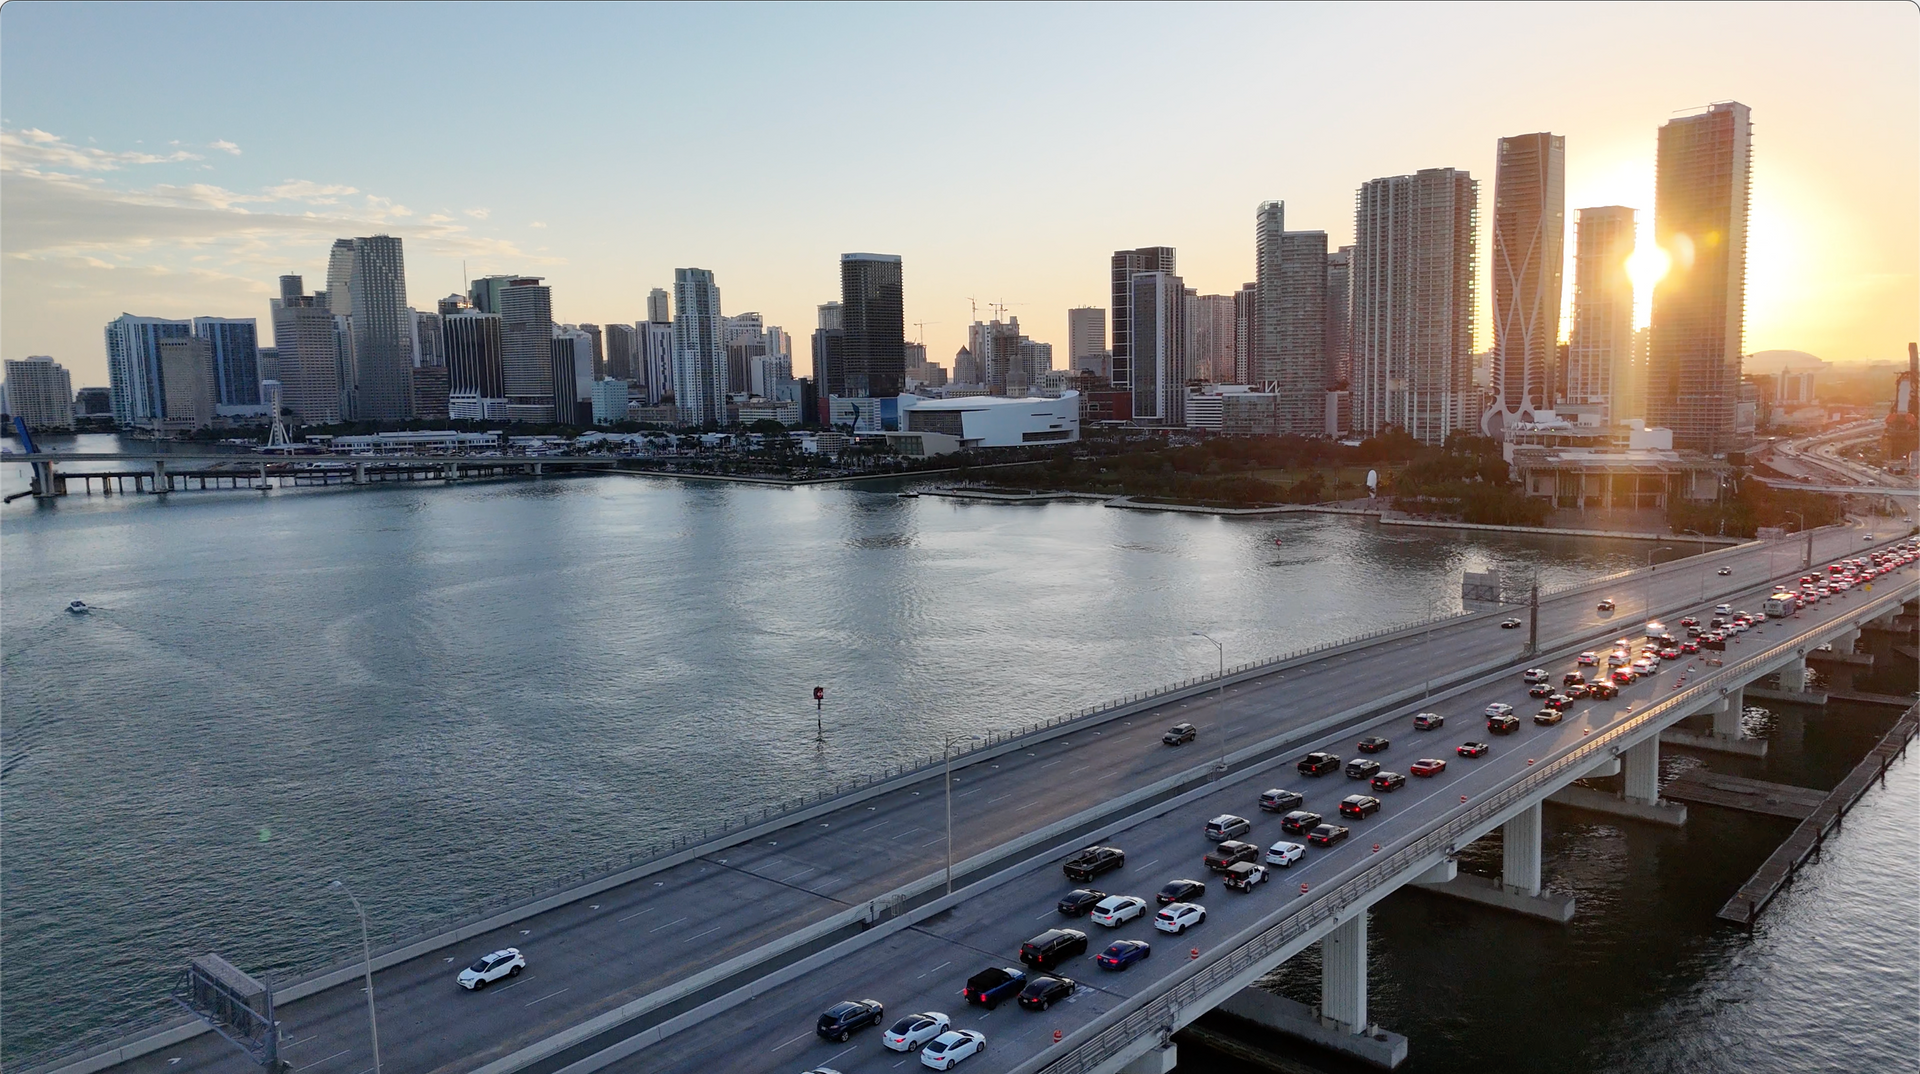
(909, 495)
(78, 607)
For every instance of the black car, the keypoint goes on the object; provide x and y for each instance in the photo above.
(1540, 689)
(1359, 806)
(1093, 861)
(1179, 734)
(1052, 947)
(1079, 901)
(1602, 690)
(1181, 891)
(840, 1020)
(1361, 768)
(1572, 678)
(1387, 781)
(1318, 764)
(1503, 725)
(1373, 744)
(1042, 991)
(1299, 822)
(1279, 801)
(1327, 834)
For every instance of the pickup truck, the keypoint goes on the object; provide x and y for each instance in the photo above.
(1093, 861)
(988, 987)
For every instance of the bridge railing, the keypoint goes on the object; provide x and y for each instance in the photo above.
(1157, 1015)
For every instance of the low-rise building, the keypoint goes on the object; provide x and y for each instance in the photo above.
(421, 441)
(994, 421)
(1608, 476)
(610, 398)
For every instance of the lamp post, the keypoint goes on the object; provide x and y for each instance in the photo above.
(1703, 573)
(1802, 520)
(366, 951)
(1219, 696)
(1646, 599)
(946, 759)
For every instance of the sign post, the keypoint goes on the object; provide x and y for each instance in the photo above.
(819, 719)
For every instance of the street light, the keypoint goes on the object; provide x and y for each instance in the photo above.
(1646, 600)
(1703, 573)
(366, 950)
(946, 759)
(1219, 696)
(1802, 520)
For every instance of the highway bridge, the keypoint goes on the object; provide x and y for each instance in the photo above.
(720, 955)
(164, 472)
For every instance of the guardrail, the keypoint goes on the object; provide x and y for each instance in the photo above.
(1096, 1044)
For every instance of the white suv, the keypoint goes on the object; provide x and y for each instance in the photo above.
(504, 963)
(1535, 675)
(1178, 917)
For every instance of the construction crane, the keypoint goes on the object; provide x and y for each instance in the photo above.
(1000, 308)
(922, 333)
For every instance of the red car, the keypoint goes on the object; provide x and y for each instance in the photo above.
(1689, 647)
(1471, 749)
(1430, 766)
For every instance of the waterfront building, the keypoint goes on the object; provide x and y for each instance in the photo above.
(1204, 409)
(133, 366)
(609, 400)
(1413, 304)
(620, 351)
(784, 411)
(92, 403)
(1157, 347)
(382, 329)
(699, 349)
(653, 360)
(572, 356)
(40, 392)
(1529, 245)
(1127, 263)
(1599, 370)
(186, 364)
(472, 344)
(985, 421)
(1290, 318)
(1087, 341)
(1340, 316)
(307, 346)
(1211, 338)
(525, 306)
(829, 352)
(235, 349)
(430, 393)
(1699, 307)
(872, 297)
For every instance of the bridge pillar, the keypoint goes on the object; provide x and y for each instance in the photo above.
(1343, 976)
(1793, 676)
(1520, 846)
(161, 482)
(1642, 772)
(1843, 642)
(1726, 718)
(359, 473)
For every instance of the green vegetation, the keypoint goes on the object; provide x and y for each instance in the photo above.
(1753, 505)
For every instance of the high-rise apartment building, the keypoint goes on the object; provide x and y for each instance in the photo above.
(40, 393)
(1413, 304)
(746, 336)
(235, 348)
(338, 296)
(829, 352)
(572, 355)
(1126, 263)
(1529, 246)
(1290, 310)
(307, 341)
(1087, 341)
(1599, 368)
(620, 350)
(653, 360)
(134, 373)
(474, 354)
(699, 349)
(525, 306)
(872, 297)
(1157, 347)
(599, 349)
(658, 307)
(1245, 315)
(1699, 308)
(1212, 337)
(187, 367)
(1340, 317)
(382, 328)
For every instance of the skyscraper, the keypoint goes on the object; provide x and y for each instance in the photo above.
(236, 358)
(1211, 338)
(188, 365)
(1157, 346)
(657, 306)
(338, 296)
(1340, 317)
(1087, 340)
(1125, 264)
(620, 348)
(525, 306)
(872, 297)
(699, 349)
(1245, 314)
(1699, 308)
(474, 354)
(134, 373)
(1290, 329)
(1599, 369)
(307, 342)
(40, 393)
(1529, 245)
(1413, 280)
(382, 326)
(653, 359)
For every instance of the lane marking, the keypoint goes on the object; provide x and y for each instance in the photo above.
(642, 913)
(784, 1043)
(937, 969)
(870, 827)
(548, 996)
(668, 925)
(932, 841)
(317, 1062)
(697, 935)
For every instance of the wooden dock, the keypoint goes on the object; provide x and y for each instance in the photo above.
(1738, 792)
(1777, 871)
(1861, 697)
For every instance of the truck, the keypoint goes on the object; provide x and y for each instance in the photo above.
(1780, 604)
(988, 987)
(1093, 861)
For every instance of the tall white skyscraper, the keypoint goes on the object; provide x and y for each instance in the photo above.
(1599, 371)
(1529, 246)
(1290, 320)
(382, 328)
(134, 373)
(699, 349)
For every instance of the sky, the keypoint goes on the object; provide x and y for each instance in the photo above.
(175, 159)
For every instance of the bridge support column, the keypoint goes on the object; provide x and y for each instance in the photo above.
(1640, 793)
(1642, 772)
(1727, 735)
(1520, 857)
(1726, 719)
(1162, 1060)
(359, 473)
(1793, 676)
(161, 482)
(1343, 976)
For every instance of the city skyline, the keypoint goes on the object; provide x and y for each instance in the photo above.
(106, 214)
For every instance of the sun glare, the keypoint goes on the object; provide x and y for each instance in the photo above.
(1646, 266)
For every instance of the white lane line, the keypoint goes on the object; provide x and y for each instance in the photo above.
(1079, 770)
(937, 969)
(548, 996)
(840, 1053)
(668, 925)
(932, 841)
(1050, 764)
(1009, 794)
(801, 873)
(963, 794)
(870, 827)
(642, 913)
(697, 935)
(784, 1043)
(1046, 915)
(317, 1062)
(1151, 864)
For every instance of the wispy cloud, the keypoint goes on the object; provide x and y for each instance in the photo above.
(33, 147)
(224, 146)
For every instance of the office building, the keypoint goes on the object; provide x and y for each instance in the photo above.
(620, 350)
(658, 311)
(186, 364)
(746, 340)
(306, 341)
(1289, 351)
(474, 359)
(653, 360)
(699, 349)
(599, 349)
(1245, 304)
(525, 306)
(1157, 347)
(382, 327)
(134, 373)
(571, 352)
(1413, 304)
(430, 393)
(1529, 245)
(1126, 263)
(1340, 316)
(1600, 348)
(92, 403)
(235, 347)
(872, 298)
(829, 351)
(1087, 341)
(1212, 339)
(40, 393)
(428, 339)
(609, 398)
(1699, 308)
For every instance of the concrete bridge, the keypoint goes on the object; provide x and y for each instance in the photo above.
(1911, 491)
(720, 954)
(179, 471)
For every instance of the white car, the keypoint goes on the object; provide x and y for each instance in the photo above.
(1285, 854)
(1116, 910)
(1178, 917)
(951, 1047)
(1501, 708)
(1723, 609)
(1588, 659)
(507, 962)
(916, 1029)
(1534, 675)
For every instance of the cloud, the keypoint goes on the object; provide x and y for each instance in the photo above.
(33, 147)
(538, 223)
(225, 147)
(479, 214)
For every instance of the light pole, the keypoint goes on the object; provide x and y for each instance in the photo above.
(1703, 573)
(1646, 599)
(1425, 637)
(946, 759)
(366, 951)
(1802, 520)
(1219, 696)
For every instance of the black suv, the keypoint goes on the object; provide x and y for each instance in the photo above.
(841, 1019)
(1359, 806)
(1052, 947)
(1179, 734)
(1361, 768)
(1503, 724)
(1093, 861)
(1318, 764)
(1373, 744)
(1299, 822)
(1078, 901)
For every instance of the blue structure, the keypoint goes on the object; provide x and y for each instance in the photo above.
(236, 358)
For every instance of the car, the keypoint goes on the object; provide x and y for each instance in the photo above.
(1244, 875)
(1572, 677)
(1472, 749)
(1606, 605)
(1510, 623)
(1655, 628)
(1123, 953)
(915, 1030)
(1578, 690)
(1761, 617)
(1052, 947)
(1179, 734)
(1587, 659)
(1547, 717)
(1327, 834)
(1503, 725)
(1723, 609)
(1359, 806)
(1670, 653)
(839, 1021)
(1042, 992)
(1116, 910)
(1689, 621)
(1373, 744)
(1180, 891)
(1644, 666)
(1222, 857)
(1540, 689)
(1428, 721)
(1499, 708)
(1284, 854)
(1559, 700)
(1361, 768)
(1624, 675)
(1533, 675)
(988, 987)
(951, 1047)
(1724, 571)
(1300, 821)
(506, 962)
(1688, 647)
(1317, 764)
(1602, 690)
(1228, 826)
(1277, 800)
(1387, 781)
(1093, 861)
(1428, 766)
(1178, 917)
(1867, 537)
(1079, 901)
(1619, 656)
